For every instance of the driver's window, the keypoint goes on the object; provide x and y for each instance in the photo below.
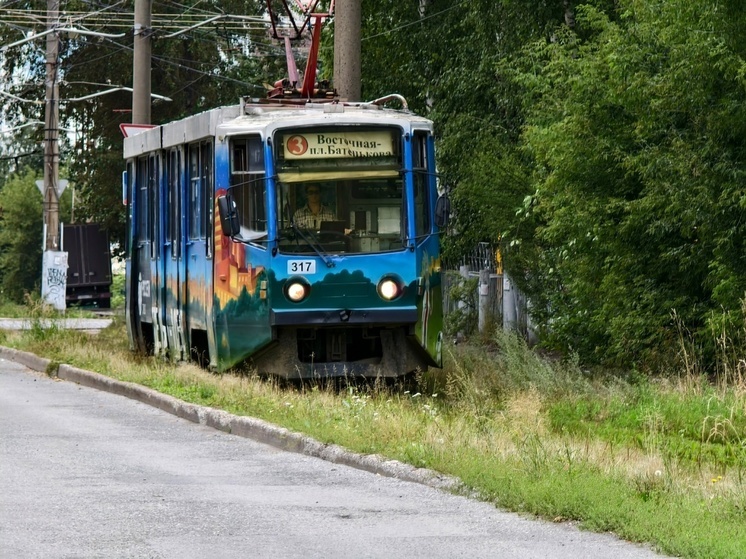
(249, 185)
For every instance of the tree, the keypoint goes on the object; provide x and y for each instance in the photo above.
(199, 70)
(448, 59)
(21, 229)
(635, 126)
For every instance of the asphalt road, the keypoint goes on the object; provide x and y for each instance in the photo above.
(85, 473)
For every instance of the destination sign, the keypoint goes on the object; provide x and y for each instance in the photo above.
(326, 145)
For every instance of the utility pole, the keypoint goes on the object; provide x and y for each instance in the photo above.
(51, 133)
(141, 63)
(347, 22)
(54, 262)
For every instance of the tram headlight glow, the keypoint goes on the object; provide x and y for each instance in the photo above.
(296, 291)
(389, 289)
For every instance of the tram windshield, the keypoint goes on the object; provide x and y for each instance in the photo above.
(346, 215)
(338, 190)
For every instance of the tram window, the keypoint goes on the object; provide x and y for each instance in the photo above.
(247, 156)
(130, 193)
(174, 202)
(421, 205)
(421, 182)
(153, 181)
(419, 151)
(194, 188)
(206, 193)
(200, 189)
(141, 205)
(249, 186)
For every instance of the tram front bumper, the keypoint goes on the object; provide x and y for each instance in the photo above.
(341, 317)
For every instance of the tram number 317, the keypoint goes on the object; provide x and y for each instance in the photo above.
(301, 267)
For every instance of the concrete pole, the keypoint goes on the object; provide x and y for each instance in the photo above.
(141, 63)
(347, 22)
(51, 133)
(54, 261)
(484, 300)
(510, 310)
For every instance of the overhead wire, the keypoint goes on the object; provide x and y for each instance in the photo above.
(164, 20)
(115, 18)
(239, 26)
(120, 19)
(418, 21)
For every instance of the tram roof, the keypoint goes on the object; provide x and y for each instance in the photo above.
(261, 117)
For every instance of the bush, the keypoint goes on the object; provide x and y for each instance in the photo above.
(21, 236)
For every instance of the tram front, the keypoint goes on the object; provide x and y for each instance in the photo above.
(341, 220)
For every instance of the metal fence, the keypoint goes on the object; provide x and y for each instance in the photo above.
(500, 291)
(484, 257)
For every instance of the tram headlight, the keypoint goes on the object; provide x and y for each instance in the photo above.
(389, 288)
(296, 290)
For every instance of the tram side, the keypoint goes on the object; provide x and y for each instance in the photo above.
(362, 300)
(168, 188)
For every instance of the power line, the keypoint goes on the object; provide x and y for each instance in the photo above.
(239, 24)
(125, 19)
(111, 17)
(420, 20)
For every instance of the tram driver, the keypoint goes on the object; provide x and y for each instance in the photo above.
(314, 212)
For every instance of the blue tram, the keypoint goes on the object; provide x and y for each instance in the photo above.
(302, 238)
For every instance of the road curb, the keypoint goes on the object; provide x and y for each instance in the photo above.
(242, 426)
(30, 360)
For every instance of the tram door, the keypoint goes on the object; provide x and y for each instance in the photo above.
(132, 312)
(199, 247)
(173, 257)
(144, 251)
(430, 325)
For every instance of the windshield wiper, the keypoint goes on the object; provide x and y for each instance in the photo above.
(310, 240)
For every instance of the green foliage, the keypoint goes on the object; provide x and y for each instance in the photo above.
(689, 429)
(601, 144)
(463, 292)
(117, 291)
(636, 126)
(204, 68)
(20, 236)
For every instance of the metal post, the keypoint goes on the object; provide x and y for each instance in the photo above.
(141, 63)
(347, 22)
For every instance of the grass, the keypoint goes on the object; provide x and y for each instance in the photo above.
(658, 461)
(35, 308)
